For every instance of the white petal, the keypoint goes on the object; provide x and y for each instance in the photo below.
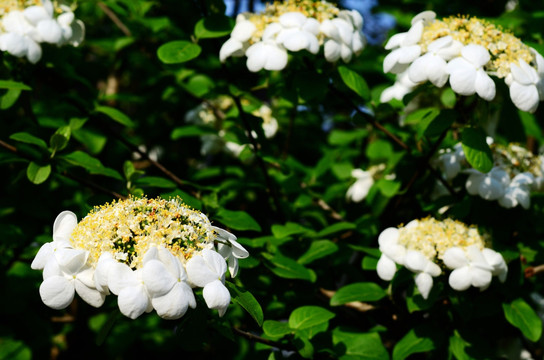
(52, 268)
(496, 260)
(174, 304)
(386, 268)
(121, 276)
(101, 271)
(491, 189)
(455, 258)
(158, 280)
(395, 41)
(231, 47)
(133, 301)
(57, 292)
(198, 271)
(277, 58)
(71, 260)
(424, 284)
(460, 279)
(462, 78)
(65, 19)
(34, 51)
(418, 69)
(43, 255)
(480, 277)
(432, 269)
(292, 19)
(415, 261)
(388, 236)
(78, 33)
(233, 266)
(484, 85)
(217, 296)
(243, 31)
(473, 183)
(500, 175)
(312, 26)
(409, 54)
(35, 14)
(256, 56)
(436, 70)
(476, 54)
(49, 31)
(63, 226)
(525, 97)
(90, 295)
(332, 50)
(86, 276)
(296, 41)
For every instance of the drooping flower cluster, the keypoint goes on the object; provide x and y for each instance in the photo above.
(294, 25)
(465, 51)
(25, 24)
(423, 246)
(516, 172)
(148, 252)
(212, 114)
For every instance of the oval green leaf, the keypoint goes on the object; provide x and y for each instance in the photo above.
(246, 300)
(476, 150)
(276, 329)
(213, 27)
(36, 173)
(522, 316)
(354, 81)
(237, 220)
(115, 115)
(309, 316)
(28, 139)
(176, 52)
(318, 249)
(362, 291)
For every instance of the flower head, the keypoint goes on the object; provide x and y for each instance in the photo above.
(467, 51)
(138, 249)
(294, 25)
(423, 246)
(24, 24)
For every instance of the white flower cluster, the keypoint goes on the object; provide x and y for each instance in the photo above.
(25, 24)
(364, 180)
(294, 25)
(150, 253)
(516, 172)
(465, 51)
(212, 113)
(423, 245)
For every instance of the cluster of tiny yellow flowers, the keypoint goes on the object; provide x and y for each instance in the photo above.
(516, 159)
(128, 228)
(319, 10)
(10, 5)
(432, 237)
(503, 47)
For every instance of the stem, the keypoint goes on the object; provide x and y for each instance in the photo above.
(534, 270)
(261, 340)
(269, 185)
(113, 17)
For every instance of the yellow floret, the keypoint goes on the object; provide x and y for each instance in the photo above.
(128, 228)
(10, 5)
(432, 237)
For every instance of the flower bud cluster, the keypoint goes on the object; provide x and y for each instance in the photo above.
(516, 172)
(148, 252)
(465, 51)
(426, 246)
(294, 25)
(25, 24)
(212, 114)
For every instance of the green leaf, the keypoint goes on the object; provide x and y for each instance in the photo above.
(413, 342)
(304, 347)
(362, 291)
(336, 228)
(36, 173)
(354, 81)
(522, 316)
(213, 27)
(191, 130)
(276, 329)
(28, 139)
(199, 85)
(115, 115)
(369, 263)
(440, 123)
(476, 149)
(176, 52)
(246, 300)
(8, 84)
(290, 228)
(9, 98)
(288, 268)
(237, 220)
(379, 150)
(155, 181)
(458, 347)
(350, 345)
(11, 349)
(388, 188)
(318, 249)
(306, 317)
(91, 164)
(344, 137)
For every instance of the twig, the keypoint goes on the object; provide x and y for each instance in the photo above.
(270, 186)
(357, 305)
(261, 340)
(93, 186)
(534, 270)
(113, 17)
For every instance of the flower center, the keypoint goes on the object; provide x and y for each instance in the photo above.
(128, 228)
(10, 5)
(432, 237)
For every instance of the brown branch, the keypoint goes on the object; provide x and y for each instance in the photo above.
(356, 305)
(534, 270)
(114, 18)
(261, 340)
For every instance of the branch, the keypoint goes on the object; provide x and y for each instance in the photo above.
(269, 185)
(261, 340)
(114, 18)
(534, 270)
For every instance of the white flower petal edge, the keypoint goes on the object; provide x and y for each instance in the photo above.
(231, 251)
(358, 191)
